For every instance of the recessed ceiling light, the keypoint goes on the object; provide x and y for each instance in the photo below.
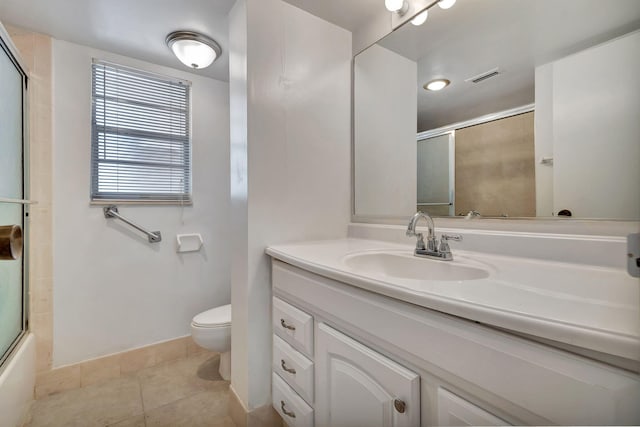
(193, 49)
(420, 19)
(436, 85)
(446, 4)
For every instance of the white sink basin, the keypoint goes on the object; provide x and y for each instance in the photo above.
(405, 266)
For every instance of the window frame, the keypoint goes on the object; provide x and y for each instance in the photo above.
(180, 199)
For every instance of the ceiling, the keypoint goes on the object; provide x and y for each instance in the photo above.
(514, 35)
(137, 28)
(348, 14)
(134, 28)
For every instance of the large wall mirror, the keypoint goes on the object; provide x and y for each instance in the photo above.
(540, 115)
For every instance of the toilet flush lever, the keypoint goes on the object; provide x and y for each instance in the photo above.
(284, 325)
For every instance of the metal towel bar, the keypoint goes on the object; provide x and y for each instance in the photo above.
(112, 212)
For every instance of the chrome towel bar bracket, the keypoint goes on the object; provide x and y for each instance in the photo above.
(112, 212)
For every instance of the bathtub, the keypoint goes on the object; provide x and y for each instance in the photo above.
(17, 381)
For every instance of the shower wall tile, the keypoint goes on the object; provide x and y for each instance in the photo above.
(41, 296)
(36, 52)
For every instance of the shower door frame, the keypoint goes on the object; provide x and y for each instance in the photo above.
(7, 47)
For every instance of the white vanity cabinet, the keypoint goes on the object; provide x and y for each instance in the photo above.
(357, 386)
(361, 358)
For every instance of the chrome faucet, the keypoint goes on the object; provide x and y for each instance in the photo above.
(431, 249)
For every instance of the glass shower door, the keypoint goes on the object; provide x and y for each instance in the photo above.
(12, 195)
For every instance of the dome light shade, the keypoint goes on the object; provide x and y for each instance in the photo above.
(436, 85)
(193, 49)
(446, 4)
(420, 18)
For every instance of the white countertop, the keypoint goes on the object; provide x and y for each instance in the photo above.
(596, 308)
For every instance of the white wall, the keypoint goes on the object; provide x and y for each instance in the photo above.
(596, 130)
(385, 148)
(290, 171)
(113, 290)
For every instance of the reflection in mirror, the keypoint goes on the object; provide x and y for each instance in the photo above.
(541, 116)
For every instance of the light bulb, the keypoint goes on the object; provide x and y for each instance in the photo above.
(446, 4)
(420, 19)
(436, 85)
(394, 5)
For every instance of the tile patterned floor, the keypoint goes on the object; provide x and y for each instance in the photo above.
(186, 392)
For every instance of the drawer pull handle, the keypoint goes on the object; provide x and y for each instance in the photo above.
(284, 325)
(287, 413)
(284, 367)
(400, 406)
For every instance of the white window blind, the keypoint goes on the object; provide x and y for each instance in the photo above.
(140, 136)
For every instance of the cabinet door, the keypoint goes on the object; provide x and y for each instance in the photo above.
(356, 386)
(455, 411)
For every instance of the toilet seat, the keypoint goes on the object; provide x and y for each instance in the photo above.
(218, 317)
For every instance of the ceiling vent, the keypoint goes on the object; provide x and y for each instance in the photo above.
(484, 76)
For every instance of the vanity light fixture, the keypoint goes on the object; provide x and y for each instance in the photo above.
(436, 85)
(446, 4)
(399, 6)
(193, 49)
(420, 18)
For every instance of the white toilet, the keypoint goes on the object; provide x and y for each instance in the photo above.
(211, 329)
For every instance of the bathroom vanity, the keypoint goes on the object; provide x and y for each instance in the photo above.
(367, 334)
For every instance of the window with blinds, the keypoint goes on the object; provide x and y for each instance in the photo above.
(140, 136)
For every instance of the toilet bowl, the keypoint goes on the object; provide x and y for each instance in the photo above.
(211, 329)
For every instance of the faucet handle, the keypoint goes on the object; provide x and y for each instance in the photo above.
(444, 246)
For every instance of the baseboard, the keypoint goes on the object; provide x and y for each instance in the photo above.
(264, 416)
(113, 366)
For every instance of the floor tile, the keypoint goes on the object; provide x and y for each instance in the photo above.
(176, 380)
(137, 421)
(96, 405)
(206, 409)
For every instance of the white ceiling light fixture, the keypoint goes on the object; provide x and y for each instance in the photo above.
(193, 49)
(399, 6)
(420, 18)
(436, 85)
(446, 4)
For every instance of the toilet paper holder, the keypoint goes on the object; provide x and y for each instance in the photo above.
(11, 242)
(188, 242)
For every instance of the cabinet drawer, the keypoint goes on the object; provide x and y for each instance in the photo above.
(456, 411)
(293, 325)
(294, 411)
(294, 368)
